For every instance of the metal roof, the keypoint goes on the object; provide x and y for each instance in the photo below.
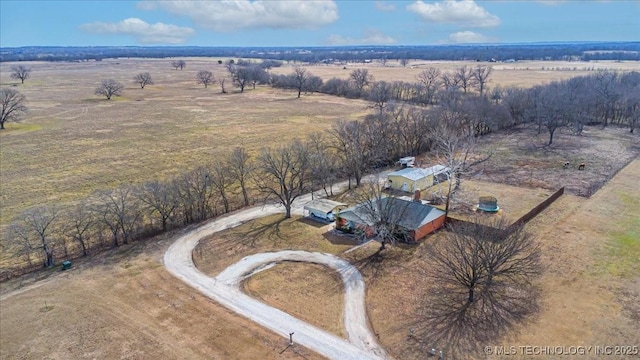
(418, 173)
(324, 205)
(410, 215)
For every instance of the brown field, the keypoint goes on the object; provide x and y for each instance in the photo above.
(124, 304)
(590, 290)
(73, 142)
(519, 74)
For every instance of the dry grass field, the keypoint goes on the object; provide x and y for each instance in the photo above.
(124, 304)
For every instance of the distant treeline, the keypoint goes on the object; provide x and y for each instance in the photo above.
(585, 51)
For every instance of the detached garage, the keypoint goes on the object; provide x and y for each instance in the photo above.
(323, 209)
(412, 179)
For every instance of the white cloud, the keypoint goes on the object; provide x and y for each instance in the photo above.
(233, 15)
(385, 6)
(371, 37)
(463, 13)
(145, 33)
(468, 37)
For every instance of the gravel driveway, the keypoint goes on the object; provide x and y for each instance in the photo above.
(225, 289)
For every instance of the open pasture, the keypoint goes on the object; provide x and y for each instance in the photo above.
(73, 142)
(519, 74)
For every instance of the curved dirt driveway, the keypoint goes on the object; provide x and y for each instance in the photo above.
(224, 289)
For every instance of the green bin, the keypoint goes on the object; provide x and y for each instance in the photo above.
(66, 265)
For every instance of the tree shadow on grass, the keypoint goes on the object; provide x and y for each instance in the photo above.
(263, 230)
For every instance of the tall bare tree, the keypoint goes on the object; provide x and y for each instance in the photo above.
(300, 77)
(35, 229)
(13, 105)
(205, 78)
(404, 62)
(160, 198)
(430, 79)
(109, 88)
(241, 167)
(121, 212)
(383, 214)
(284, 173)
(380, 96)
(143, 79)
(80, 225)
(481, 75)
(353, 144)
(465, 77)
(20, 72)
(482, 282)
(456, 150)
(221, 180)
(360, 78)
(324, 163)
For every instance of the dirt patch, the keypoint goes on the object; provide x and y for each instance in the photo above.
(128, 307)
(522, 158)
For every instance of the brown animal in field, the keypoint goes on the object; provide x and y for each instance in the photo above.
(581, 166)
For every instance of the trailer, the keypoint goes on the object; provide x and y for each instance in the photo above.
(407, 161)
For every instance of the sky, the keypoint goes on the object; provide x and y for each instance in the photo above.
(313, 23)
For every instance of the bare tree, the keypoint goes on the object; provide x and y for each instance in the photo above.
(284, 173)
(221, 180)
(195, 191)
(121, 212)
(160, 198)
(205, 78)
(179, 64)
(480, 76)
(481, 284)
(324, 163)
(109, 88)
(455, 150)
(352, 143)
(13, 105)
(222, 81)
(606, 85)
(361, 78)
(465, 77)
(383, 214)
(20, 72)
(380, 96)
(143, 79)
(34, 229)
(430, 79)
(404, 62)
(80, 223)
(450, 82)
(240, 167)
(300, 77)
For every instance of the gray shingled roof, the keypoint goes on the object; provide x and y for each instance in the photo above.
(411, 215)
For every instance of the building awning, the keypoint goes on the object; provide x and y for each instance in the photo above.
(323, 205)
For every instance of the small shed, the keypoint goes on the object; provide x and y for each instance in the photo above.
(407, 161)
(323, 209)
(412, 179)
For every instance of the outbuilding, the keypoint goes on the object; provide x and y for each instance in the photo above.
(323, 209)
(412, 179)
